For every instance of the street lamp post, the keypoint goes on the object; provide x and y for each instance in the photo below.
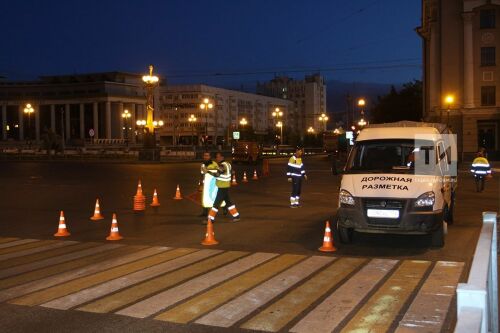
(192, 120)
(126, 117)
(206, 105)
(277, 114)
(323, 118)
(361, 104)
(310, 130)
(243, 123)
(449, 99)
(29, 110)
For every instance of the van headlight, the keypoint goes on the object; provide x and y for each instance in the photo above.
(425, 200)
(346, 198)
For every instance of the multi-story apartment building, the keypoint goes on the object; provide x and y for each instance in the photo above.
(461, 40)
(308, 95)
(178, 102)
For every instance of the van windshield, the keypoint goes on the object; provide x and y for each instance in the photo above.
(388, 156)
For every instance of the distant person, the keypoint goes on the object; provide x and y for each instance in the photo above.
(223, 182)
(295, 173)
(480, 168)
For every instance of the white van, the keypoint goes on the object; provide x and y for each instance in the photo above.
(399, 178)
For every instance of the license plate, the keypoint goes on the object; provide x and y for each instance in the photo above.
(383, 213)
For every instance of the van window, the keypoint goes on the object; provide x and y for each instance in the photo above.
(394, 155)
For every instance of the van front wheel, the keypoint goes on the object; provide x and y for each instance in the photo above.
(438, 235)
(345, 234)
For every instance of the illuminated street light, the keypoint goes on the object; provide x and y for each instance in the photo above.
(362, 122)
(126, 116)
(150, 82)
(323, 118)
(29, 110)
(361, 102)
(449, 99)
(310, 130)
(192, 120)
(277, 113)
(206, 105)
(243, 122)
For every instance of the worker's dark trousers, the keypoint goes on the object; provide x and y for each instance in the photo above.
(479, 183)
(296, 188)
(223, 195)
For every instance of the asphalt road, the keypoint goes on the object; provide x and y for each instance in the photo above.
(34, 193)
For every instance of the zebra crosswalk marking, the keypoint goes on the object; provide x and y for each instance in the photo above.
(380, 310)
(426, 311)
(242, 306)
(335, 308)
(169, 297)
(25, 246)
(8, 239)
(148, 288)
(217, 296)
(280, 313)
(69, 287)
(73, 269)
(16, 242)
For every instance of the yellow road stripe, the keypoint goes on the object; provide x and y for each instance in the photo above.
(207, 301)
(7, 239)
(52, 270)
(277, 315)
(45, 254)
(430, 307)
(26, 246)
(382, 308)
(49, 294)
(132, 294)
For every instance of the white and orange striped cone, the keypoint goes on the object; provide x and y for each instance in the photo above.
(178, 195)
(114, 233)
(210, 235)
(139, 199)
(245, 179)
(255, 177)
(62, 231)
(328, 240)
(97, 212)
(155, 202)
(234, 182)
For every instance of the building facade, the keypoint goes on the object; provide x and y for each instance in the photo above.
(308, 96)
(72, 106)
(178, 102)
(461, 39)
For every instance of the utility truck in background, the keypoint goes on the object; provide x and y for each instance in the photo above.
(399, 178)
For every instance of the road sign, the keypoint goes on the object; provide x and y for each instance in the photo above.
(91, 132)
(236, 135)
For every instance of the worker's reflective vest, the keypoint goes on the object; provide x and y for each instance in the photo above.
(295, 167)
(480, 166)
(223, 179)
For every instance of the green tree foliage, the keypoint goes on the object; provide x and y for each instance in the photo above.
(405, 104)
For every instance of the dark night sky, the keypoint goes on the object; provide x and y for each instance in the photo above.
(184, 38)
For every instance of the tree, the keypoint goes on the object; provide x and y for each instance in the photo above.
(405, 104)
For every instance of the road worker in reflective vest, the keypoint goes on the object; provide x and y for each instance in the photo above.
(480, 168)
(223, 182)
(208, 170)
(295, 173)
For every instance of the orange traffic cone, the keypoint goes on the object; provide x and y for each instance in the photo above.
(178, 195)
(245, 180)
(234, 182)
(97, 212)
(155, 202)
(62, 231)
(328, 240)
(114, 234)
(255, 177)
(210, 235)
(139, 199)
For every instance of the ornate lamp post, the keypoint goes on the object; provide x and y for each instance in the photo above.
(323, 118)
(150, 81)
(277, 114)
(126, 117)
(192, 120)
(29, 110)
(206, 105)
(449, 99)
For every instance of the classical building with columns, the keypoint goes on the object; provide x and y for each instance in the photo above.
(77, 105)
(179, 102)
(461, 38)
